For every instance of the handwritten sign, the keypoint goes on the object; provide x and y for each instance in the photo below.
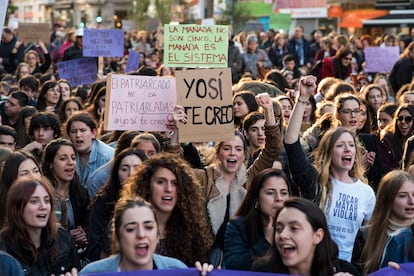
(133, 61)
(195, 46)
(381, 59)
(103, 42)
(78, 71)
(206, 97)
(30, 32)
(139, 102)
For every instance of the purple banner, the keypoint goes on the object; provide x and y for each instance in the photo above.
(133, 61)
(78, 71)
(380, 59)
(103, 42)
(186, 272)
(405, 269)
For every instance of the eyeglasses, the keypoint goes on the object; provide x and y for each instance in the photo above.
(350, 111)
(407, 119)
(349, 59)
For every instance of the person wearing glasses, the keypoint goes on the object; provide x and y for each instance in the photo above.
(394, 137)
(335, 180)
(338, 66)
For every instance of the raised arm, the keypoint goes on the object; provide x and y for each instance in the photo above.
(307, 86)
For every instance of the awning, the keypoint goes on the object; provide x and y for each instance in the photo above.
(354, 18)
(396, 18)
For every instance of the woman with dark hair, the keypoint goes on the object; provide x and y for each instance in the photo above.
(302, 243)
(68, 107)
(393, 214)
(170, 185)
(338, 66)
(59, 166)
(385, 116)
(278, 79)
(31, 234)
(23, 124)
(250, 234)
(49, 98)
(394, 137)
(102, 206)
(244, 102)
(19, 163)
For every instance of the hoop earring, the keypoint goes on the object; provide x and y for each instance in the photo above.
(256, 205)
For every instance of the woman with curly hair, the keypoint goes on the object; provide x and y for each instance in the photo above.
(335, 181)
(169, 184)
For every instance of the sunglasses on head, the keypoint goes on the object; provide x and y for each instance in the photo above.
(407, 119)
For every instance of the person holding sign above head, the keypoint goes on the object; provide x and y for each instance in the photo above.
(224, 181)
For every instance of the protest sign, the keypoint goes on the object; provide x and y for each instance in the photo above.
(78, 71)
(195, 46)
(380, 59)
(103, 42)
(33, 32)
(133, 61)
(206, 96)
(139, 102)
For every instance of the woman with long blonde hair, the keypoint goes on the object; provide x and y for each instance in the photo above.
(335, 181)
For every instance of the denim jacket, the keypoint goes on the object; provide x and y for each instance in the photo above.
(99, 155)
(111, 264)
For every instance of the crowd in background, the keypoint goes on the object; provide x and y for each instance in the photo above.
(319, 178)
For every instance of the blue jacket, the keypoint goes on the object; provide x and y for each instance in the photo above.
(111, 264)
(100, 154)
(238, 254)
(9, 265)
(397, 247)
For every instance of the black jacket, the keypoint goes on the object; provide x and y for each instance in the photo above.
(68, 256)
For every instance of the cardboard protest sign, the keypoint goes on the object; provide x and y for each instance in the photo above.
(206, 96)
(78, 71)
(32, 32)
(139, 102)
(195, 46)
(381, 59)
(103, 42)
(133, 61)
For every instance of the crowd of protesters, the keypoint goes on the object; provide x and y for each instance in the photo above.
(318, 179)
